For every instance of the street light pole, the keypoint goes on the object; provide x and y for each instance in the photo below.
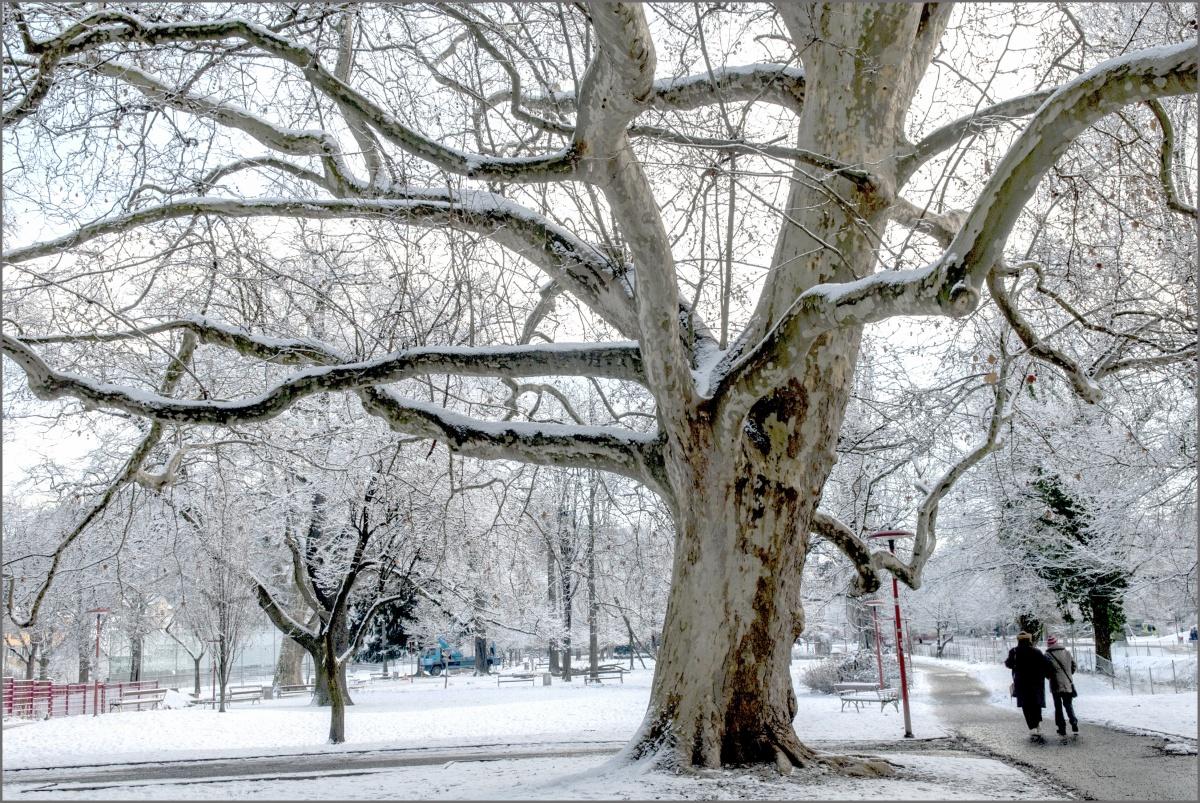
(96, 665)
(891, 536)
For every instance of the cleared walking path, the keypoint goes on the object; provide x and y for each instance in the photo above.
(1102, 764)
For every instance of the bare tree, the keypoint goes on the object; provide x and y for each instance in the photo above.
(744, 424)
(376, 547)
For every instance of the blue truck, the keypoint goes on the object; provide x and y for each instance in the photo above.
(435, 659)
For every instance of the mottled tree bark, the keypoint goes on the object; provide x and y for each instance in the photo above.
(747, 488)
(288, 666)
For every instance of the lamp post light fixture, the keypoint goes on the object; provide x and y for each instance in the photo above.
(875, 605)
(96, 667)
(891, 536)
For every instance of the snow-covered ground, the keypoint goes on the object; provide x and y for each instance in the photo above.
(398, 714)
(474, 711)
(922, 777)
(1100, 702)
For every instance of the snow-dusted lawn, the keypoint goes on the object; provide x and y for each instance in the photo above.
(421, 714)
(1099, 702)
(922, 777)
(475, 712)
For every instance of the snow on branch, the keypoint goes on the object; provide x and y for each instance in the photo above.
(868, 563)
(926, 532)
(296, 142)
(108, 27)
(209, 331)
(618, 92)
(781, 84)
(1165, 157)
(838, 533)
(951, 285)
(612, 361)
(129, 472)
(976, 122)
(581, 268)
(620, 451)
(623, 451)
(1083, 381)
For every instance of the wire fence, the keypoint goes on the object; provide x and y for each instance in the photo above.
(1172, 672)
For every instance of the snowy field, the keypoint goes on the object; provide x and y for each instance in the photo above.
(1100, 702)
(399, 715)
(920, 777)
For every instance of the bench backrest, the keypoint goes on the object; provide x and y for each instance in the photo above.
(133, 693)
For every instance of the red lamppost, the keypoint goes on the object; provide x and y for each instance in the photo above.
(874, 605)
(891, 536)
(96, 667)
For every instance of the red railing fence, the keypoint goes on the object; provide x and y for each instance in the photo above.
(42, 699)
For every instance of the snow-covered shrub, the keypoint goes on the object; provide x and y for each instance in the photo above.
(857, 667)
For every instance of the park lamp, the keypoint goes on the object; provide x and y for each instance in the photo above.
(891, 536)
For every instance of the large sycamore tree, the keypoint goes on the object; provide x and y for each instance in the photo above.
(541, 131)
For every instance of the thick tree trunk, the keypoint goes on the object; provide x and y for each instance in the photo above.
(1103, 609)
(334, 674)
(744, 491)
(44, 666)
(736, 589)
(85, 664)
(323, 683)
(196, 676)
(288, 670)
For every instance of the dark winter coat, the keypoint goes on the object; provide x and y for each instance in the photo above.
(1062, 667)
(1029, 670)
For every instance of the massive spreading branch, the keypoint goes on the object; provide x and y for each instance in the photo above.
(743, 438)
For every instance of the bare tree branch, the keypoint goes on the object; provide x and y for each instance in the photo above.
(1165, 158)
(950, 285)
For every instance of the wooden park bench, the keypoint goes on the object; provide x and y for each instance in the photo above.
(858, 694)
(302, 688)
(136, 698)
(233, 694)
(519, 677)
(608, 671)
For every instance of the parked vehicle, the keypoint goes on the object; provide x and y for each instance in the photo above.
(435, 660)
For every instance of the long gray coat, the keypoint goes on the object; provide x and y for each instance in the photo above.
(1062, 668)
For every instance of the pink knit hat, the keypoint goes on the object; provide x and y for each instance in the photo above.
(1050, 642)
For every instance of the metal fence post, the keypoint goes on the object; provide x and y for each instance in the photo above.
(1129, 675)
(1174, 680)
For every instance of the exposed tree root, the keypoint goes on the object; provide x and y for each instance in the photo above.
(777, 748)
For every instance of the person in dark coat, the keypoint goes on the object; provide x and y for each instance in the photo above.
(1029, 669)
(1061, 673)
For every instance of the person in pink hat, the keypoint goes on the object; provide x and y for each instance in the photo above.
(1061, 674)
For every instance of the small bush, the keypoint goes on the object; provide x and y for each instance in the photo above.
(857, 667)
